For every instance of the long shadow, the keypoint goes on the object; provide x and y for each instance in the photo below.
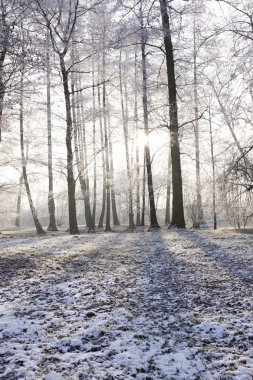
(28, 264)
(238, 267)
(13, 267)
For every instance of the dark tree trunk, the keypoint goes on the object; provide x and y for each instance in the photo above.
(167, 210)
(177, 201)
(94, 145)
(115, 218)
(153, 218)
(73, 227)
(51, 205)
(143, 193)
(137, 153)
(214, 173)
(82, 163)
(5, 30)
(107, 165)
(102, 214)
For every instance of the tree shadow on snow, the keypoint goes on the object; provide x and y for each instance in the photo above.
(237, 266)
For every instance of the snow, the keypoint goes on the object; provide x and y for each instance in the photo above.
(174, 305)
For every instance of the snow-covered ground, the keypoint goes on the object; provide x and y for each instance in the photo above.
(147, 305)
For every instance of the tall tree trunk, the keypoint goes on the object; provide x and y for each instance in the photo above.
(94, 143)
(73, 227)
(200, 214)
(84, 161)
(77, 126)
(107, 165)
(5, 30)
(126, 140)
(143, 193)
(213, 172)
(137, 152)
(115, 218)
(153, 217)
(51, 204)
(102, 214)
(2, 86)
(167, 210)
(177, 202)
(38, 227)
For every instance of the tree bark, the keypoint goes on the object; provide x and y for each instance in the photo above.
(200, 213)
(167, 210)
(102, 214)
(107, 165)
(143, 193)
(82, 157)
(73, 227)
(115, 218)
(51, 204)
(153, 217)
(94, 144)
(213, 172)
(137, 152)
(126, 140)
(177, 202)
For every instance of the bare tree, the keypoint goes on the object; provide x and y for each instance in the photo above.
(177, 201)
(60, 20)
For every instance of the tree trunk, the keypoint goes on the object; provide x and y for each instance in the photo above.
(167, 210)
(5, 30)
(137, 152)
(73, 227)
(213, 171)
(126, 140)
(200, 214)
(82, 157)
(153, 218)
(51, 204)
(38, 227)
(115, 218)
(18, 207)
(107, 165)
(102, 214)
(177, 202)
(94, 144)
(143, 193)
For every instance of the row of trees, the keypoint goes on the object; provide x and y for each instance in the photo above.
(121, 70)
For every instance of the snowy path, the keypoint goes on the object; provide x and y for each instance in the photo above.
(168, 305)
